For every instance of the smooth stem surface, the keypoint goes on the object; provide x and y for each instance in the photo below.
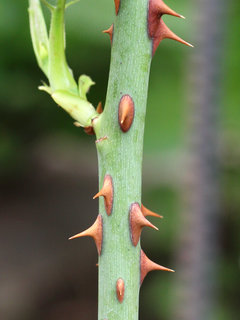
(60, 76)
(121, 157)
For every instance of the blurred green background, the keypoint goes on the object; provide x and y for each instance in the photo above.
(48, 168)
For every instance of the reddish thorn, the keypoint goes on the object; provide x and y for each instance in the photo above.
(126, 112)
(95, 231)
(163, 32)
(99, 108)
(146, 212)
(110, 32)
(107, 193)
(160, 8)
(148, 265)
(137, 222)
(120, 288)
(117, 4)
(156, 9)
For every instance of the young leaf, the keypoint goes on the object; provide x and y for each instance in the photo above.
(84, 84)
(79, 109)
(39, 35)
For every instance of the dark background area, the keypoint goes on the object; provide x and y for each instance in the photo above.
(48, 168)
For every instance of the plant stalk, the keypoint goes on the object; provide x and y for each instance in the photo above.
(60, 75)
(120, 155)
(137, 31)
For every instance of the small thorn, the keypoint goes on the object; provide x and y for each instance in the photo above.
(137, 222)
(99, 108)
(161, 8)
(107, 193)
(168, 34)
(120, 289)
(148, 265)
(110, 32)
(117, 4)
(146, 212)
(126, 112)
(182, 17)
(157, 8)
(95, 231)
(163, 32)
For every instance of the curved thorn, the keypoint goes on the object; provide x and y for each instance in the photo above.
(110, 32)
(107, 193)
(162, 8)
(146, 212)
(117, 4)
(168, 34)
(95, 231)
(137, 223)
(148, 265)
(163, 32)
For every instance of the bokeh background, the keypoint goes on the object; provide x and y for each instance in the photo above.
(191, 169)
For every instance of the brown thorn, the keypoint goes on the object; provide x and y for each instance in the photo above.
(117, 4)
(99, 108)
(148, 265)
(126, 112)
(163, 32)
(110, 32)
(137, 222)
(107, 193)
(120, 289)
(159, 7)
(95, 231)
(146, 212)
(156, 9)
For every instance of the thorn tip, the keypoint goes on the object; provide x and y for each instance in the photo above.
(148, 265)
(137, 222)
(110, 32)
(95, 231)
(146, 212)
(117, 4)
(157, 30)
(107, 192)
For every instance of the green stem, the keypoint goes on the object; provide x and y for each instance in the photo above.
(60, 76)
(120, 155)
(71, 3)
(48, 5)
